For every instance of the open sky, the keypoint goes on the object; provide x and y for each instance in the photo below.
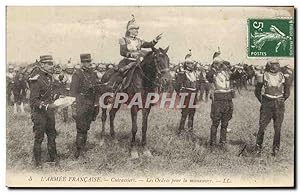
(66, 32)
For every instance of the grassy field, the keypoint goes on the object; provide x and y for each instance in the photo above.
(172, 155)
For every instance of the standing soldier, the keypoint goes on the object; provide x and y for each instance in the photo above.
(9, 84)
(222, 105)
(187, 82)
(42, 108)
(69, 70)
(204, 84)
(276, 88)
(19, 91)
(83, 88)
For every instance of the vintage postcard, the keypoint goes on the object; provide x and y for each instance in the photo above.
(150, 96)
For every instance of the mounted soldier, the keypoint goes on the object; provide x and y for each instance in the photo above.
(272, 92)
(131, 49)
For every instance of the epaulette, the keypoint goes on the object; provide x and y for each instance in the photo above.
(122, 41)
(34, 77)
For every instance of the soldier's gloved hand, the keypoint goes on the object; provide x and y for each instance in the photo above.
(51, 106)
(135, 55)
(158, 37)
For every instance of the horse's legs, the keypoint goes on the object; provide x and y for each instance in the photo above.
(134, 111)
(112, 115)
(134, 152)
(146, 112)
(146, 151)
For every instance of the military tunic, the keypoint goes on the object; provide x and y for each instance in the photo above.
(130, 45)
(41, 96)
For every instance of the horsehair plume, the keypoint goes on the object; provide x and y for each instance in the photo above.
(133, 18)
(190, 50)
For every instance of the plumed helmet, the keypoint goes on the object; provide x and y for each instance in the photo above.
(188, 58)
(132, 24)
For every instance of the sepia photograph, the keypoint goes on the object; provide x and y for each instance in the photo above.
(150, 96)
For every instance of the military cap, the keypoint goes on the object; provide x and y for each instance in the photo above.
(46, 59)
(10, 67)
(85, 58)
(132, 24)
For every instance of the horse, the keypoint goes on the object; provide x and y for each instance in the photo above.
(153, 72)
(250, 73)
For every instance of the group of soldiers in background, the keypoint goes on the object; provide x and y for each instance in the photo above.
(218, 81)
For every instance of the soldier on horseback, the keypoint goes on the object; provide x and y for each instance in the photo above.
(131, 48)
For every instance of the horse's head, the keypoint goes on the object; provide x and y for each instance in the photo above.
(162, 62)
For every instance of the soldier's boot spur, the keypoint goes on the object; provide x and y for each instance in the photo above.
(77, 153)
(224, 146)
(275, 151)
(258, 150)
(38, 160)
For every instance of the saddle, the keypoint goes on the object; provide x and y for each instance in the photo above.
(121, 80)
(127, 79)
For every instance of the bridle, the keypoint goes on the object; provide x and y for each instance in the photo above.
(158, 70)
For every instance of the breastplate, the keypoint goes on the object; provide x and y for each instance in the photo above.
(222, 81)
(133, 44)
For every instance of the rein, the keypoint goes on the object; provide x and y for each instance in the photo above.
(159, 71)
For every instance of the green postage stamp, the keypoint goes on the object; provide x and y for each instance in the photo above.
(271, 37)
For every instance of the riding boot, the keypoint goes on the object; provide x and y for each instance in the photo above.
(52, 152)
(65, 114)
(15, 108)
(181, 124)
(37, 152)
(79, 144)
(190, 124)
(22, 107)
(84, 141)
